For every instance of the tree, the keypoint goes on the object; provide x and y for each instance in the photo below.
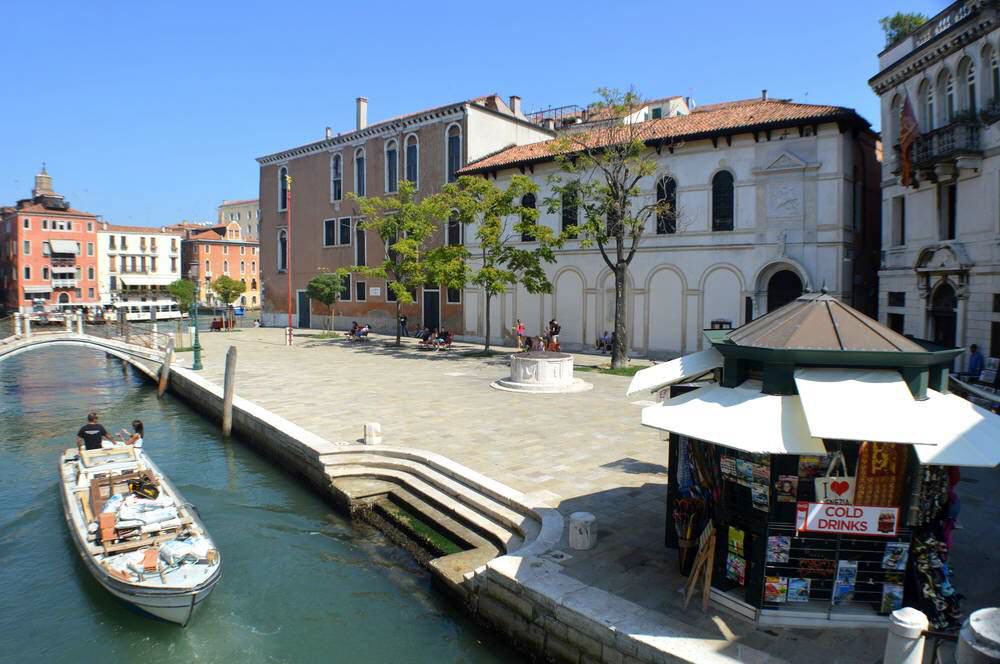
(599, 192)
(328, 287)
(501, 260)
(900, 24)
(228, 289)
(183, 291)
(407, 227)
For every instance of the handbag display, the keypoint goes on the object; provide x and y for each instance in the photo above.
(834, 489)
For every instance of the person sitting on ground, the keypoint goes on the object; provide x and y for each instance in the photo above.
(537, 344)
(430, 338)
(363, 332)
(353, 331)
(604, 342)
(92, 434)
(442, 339)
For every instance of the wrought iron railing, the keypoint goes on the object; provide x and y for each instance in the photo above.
(949, 141)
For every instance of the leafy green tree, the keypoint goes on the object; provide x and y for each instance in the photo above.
(501, 259)
(900, 24)
(600, 181)
(408, 227)
(228, 289)
(183, 292)
(328, 287)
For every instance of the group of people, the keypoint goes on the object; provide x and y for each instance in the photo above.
(605, 342)
(547, 340)
(93, 435)
(359, 332)
(436, 339)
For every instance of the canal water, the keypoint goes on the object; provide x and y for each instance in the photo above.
(300, 584)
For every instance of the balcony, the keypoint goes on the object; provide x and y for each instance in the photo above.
(958, 139)
(64, 283)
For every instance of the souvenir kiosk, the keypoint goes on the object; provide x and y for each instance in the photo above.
(821, 448)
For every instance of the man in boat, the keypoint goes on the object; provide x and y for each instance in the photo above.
(91, 434)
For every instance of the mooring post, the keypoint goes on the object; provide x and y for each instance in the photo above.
(27, 327)
(79, 324)
(17, 324)
(168, 357)
(904, 643)
(69, 322)
(229, 388)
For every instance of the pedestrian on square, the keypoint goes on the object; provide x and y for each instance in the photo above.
(402, 325)
(519, 334)
(975, 366)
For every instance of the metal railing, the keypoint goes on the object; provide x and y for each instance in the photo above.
(130, 333)
(949, 141)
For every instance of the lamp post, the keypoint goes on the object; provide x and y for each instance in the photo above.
(288, 254)
(196, 346)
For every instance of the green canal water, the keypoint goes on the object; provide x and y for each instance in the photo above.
(301, 583)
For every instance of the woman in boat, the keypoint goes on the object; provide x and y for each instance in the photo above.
(135, 438)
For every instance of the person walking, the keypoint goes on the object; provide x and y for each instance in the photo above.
(519, 334)
(402, 325)
(92, 434)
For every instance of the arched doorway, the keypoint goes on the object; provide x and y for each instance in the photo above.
(783, 287)
(63, 298)
(943, 315)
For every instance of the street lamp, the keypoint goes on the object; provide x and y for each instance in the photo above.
(288, 254)
(193, 314)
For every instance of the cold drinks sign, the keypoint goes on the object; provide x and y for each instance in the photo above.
(846, 519)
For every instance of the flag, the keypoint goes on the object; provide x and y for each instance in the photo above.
(908, 132)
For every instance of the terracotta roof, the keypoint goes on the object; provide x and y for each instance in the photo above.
(703, 122)
(817, 321)
(139, 229)
(37, 208)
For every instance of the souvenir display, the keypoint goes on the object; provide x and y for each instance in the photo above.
(798, 590)
(817, 568)
(736, 569)
(775, 588)
(777, 548)
(786, 489)
(727, 466)
(892, 597)
(933, 495)
(881, 474)
(811, 466)
(833, 488)
(736, 537)
(895, 556)
(842, 592)
(939, 599)
(847, 571)
(760, 496)
(762, 473)
(744, 472)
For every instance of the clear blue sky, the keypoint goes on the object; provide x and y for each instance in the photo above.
(148, 115)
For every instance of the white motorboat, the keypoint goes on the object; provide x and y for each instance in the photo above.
(143, 542)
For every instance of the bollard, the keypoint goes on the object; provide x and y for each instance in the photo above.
(979, 640)
(229, 388)
(17, 325)
(582, 531)
(904, 643)
(68, 318)
(373, 433)
(27, 327)
(79, 324)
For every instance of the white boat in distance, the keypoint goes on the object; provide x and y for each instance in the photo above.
(152, 552)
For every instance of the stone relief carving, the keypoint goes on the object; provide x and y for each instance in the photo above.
(784, 199)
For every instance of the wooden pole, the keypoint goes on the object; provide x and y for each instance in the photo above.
(168, 357)
(229, 389)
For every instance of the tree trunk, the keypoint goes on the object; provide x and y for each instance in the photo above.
(486, 346)
(619, 349)
(329, 321)
(399, 341)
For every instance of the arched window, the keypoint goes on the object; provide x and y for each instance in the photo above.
(282, 189)
(722, 201)
(412, 159)
(895, 113)
(282, 251)
(359, 171)
(454, 151)
(967, 72)
(455, 230)
(926, 93)
(208, 267)
(253, 284)
(225, 267)
(994, 73)
(527, 201)
(391, 167)
(666, 202)
(336, 177)
(570, 207)
(946, 90)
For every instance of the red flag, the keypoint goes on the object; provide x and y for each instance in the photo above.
(908, 132)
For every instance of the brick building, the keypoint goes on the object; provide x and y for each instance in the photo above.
(208, 252)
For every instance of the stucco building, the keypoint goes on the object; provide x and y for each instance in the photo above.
(208, 252)
(427, 148)
(135, 264)
(244, 212)
(48, 252)
(771, 198)
(939, 277)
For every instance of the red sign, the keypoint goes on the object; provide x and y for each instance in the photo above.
(847, 519)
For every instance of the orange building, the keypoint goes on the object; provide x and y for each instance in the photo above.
(208, 252)
(48, 252)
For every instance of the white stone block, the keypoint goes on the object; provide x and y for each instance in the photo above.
(373, 433)
(582, 531)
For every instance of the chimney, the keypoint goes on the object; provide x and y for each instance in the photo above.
(549, 123)
(329, 133)
(362, 112)
(515, 105)
(763, 94)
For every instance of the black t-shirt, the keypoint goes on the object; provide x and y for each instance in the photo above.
(92, 434)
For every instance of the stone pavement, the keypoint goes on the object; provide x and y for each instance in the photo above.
(587, 448)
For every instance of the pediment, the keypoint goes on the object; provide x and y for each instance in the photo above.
(943, 257)
(784, 161)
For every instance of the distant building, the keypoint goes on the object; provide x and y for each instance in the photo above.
(940, 273)
(48, 252)
(246, 213)
(208, 252)
(427, 147)
(135, 265)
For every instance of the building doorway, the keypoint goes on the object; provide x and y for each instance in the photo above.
(782, 288)
(944, 315)
(63, 298)
(303, 309)
(432, 308)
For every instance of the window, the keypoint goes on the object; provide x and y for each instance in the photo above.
(90, 273)
(897, 298)
(995, 74)
(329, 232)
(336, 177)
(412, 159)
(895, 322)
(114, 283)
(90, 292)
(570, 211)
(454, 296)
(173, 264)
(225, 249)
(27, 247)
(898, 221)
(90, 248)
(454, 148)
(225, 267)
(243, 267)
(391, 167)
(927, 104)
(344, 233)
(282, 189)
(360, 291)
(657, 113)
(208, 248)
(527, 201)
(90, 228)
(359, 172)
(666, 200)
(345, 287)
(253, 266)
(45, 273)
(722, 201)
(360, 254)
(124, 243)
(243, 250)
(455, 231)
(948, 223)
(949, 98)
(124, 264)
(282, 251)
(27, 272)
(142, 263)
(970, 86)
(27, 224)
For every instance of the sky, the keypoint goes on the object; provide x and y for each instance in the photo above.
(150, 113)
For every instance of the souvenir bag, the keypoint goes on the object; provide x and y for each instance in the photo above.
(881, 474)
(833, 489)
